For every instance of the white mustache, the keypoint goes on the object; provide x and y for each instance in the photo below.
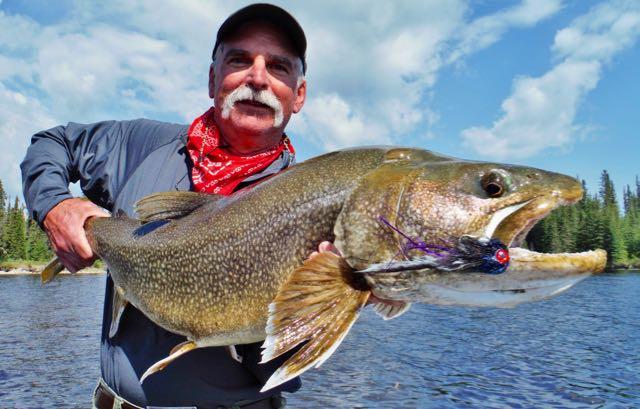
(244, 92)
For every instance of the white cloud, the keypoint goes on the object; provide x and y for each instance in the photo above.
(20, 117)
(340, 125)
(540, 112)
(377, 59)
(599, 35)
(487, 30)
(381, 59)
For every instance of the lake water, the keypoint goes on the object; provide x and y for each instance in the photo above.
(580, 349)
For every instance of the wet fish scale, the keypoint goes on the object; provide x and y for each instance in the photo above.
(229, 267)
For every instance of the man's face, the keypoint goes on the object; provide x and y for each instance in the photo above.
(260, 58)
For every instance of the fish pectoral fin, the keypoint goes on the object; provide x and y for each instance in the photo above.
(118, 305)
(392, 309)
(317, 304)
(176, 352)
(170, 205)
(51, 270)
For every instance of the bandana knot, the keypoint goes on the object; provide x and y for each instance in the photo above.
(215, 169)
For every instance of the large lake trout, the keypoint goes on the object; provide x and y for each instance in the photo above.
(233, 270)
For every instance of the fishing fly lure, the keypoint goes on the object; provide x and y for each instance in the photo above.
(465, 253)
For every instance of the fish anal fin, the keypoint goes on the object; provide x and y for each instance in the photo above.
(171, 205)
(176, 352)
(233, 352)
(318, 303)
(390, 310)
(51, 270)
(118, 305)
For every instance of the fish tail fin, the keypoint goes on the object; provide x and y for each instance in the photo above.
(51, 270)
(319, 302)
(176, 352)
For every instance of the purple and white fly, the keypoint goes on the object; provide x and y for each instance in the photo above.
(465, 253)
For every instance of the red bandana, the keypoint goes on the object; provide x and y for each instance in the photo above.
(216, 170)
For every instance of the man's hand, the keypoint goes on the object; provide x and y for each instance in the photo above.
(64, 225)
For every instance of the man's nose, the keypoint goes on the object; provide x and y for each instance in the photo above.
(258, 74)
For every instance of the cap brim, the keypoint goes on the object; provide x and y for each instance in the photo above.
(270, 13)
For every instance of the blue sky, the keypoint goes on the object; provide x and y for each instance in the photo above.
(547, 83)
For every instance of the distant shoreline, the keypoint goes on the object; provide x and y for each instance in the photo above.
(36, 269)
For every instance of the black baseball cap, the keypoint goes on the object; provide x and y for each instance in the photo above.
(272, 14)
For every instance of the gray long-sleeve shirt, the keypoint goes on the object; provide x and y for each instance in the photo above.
(118, 163)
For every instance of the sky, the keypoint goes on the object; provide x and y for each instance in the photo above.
(546, 83)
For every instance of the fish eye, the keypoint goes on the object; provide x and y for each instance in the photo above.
(493, 184)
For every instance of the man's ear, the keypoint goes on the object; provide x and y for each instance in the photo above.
(301, 96)
(211, 82)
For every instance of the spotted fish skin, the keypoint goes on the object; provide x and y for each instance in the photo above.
(211, 274)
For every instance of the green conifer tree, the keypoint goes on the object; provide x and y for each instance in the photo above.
(14, 235)
(607, 190)
(618, 256)
(627, 200)
(591, 226)
(610, 214)
(3, 202)
(37, 243)
(632, 234)
(3, 205)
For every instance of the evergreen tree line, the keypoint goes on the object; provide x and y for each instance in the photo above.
(595, 222)
(20, 238)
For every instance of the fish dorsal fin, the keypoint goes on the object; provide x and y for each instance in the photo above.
(389, 311)
(317, 303)
(170, 205)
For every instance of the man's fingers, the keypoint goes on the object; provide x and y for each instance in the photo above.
(82, 248)
(96, 212)
(64, 225)
(67, 262)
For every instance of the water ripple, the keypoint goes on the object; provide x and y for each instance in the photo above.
(578, 350)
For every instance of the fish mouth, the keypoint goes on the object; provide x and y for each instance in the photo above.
(531, 276)
(512, 224)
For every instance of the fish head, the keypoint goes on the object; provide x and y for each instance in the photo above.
(417, 201)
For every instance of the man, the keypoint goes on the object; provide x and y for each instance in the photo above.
(257, 82)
